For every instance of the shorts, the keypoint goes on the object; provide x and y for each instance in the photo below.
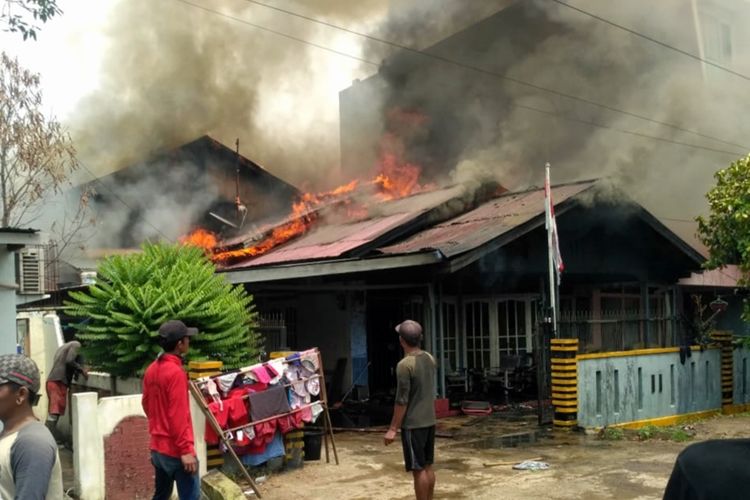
(419, 447)
(57, 393)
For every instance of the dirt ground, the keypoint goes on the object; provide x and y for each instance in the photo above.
(581, 466)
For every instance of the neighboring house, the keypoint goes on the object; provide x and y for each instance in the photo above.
(474, 271)
(16, 283)
(194, 185)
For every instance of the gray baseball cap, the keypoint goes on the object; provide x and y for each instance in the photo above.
(21, 370)
(409, 329)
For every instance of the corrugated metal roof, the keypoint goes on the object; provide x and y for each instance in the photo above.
(327, 241)
(485, 223)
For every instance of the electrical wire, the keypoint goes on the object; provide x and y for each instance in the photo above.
(484, 71)
(733, 154)
(531, 108)
(652, 40)
(279, 33)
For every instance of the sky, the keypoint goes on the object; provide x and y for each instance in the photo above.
(74, 55)
(67, 53)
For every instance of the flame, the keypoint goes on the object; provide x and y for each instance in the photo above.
(396, 178)
(200, 238)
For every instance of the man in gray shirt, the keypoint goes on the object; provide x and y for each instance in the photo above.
(66, 366)
(29, 462)
(414, 409)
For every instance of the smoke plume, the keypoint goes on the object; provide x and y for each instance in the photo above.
(483, 126)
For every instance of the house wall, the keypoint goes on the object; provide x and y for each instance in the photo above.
(741, 375)
(45, 336)
(7, 301)
(626, 388)
(111, 454)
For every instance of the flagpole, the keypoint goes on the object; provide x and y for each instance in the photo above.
(550, 257)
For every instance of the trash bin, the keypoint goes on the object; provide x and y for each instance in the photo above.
(313, 440)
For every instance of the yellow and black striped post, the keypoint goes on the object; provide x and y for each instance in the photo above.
(198, 369)
(724, 340)
(565, 382)
(294, 446)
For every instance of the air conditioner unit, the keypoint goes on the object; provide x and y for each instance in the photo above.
(31, 271)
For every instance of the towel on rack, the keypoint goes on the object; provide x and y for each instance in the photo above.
(271, 402)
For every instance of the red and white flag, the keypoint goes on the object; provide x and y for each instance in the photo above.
(552, 239)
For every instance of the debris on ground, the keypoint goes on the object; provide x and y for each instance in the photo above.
(531, 465)
(512, 462)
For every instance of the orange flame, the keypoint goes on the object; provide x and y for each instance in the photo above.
(200, 238)
(396, 178)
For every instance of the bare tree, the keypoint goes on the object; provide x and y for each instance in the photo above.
(37, 156)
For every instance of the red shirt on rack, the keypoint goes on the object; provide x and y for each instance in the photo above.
(167, 406)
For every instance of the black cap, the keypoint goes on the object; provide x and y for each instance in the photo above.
(175, 330)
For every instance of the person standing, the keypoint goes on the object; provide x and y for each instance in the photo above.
(29, 462)
(167, 407)
(66, 366)
(414, 409)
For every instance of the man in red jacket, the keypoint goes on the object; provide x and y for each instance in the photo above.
(166, 403)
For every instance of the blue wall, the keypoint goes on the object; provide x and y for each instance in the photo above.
(625, 389)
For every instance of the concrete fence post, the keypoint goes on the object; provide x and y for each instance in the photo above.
(209, 457)
(564, 365)
(88, 461)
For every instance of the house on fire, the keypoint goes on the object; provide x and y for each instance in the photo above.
(472, 267)
(200, 184)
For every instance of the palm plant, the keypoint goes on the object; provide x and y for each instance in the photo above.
(135, 294)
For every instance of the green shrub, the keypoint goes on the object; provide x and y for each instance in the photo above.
(135, 294)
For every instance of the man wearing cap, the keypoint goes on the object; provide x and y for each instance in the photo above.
(29, 462)
(167, 406)
(414, 409)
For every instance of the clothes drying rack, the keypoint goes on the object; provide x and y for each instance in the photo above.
(224, 435)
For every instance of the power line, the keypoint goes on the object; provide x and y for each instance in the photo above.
(279, 33)
(492, 73)
(651, 39)
(531, 108)
(733, 154)
(119, 198)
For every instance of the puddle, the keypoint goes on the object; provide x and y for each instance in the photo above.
(513, 440)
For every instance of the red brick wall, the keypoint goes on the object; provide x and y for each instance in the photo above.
(128, 473)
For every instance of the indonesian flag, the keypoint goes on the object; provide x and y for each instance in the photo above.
(552, 240)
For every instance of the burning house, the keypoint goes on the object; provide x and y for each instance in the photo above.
(470, 261)
(471, 265)
(200, 184)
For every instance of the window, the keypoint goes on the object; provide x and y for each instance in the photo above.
(414, 309)
(511, 326)
(451, 342)
(22, 336)
(477, 326)
(717, 38)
